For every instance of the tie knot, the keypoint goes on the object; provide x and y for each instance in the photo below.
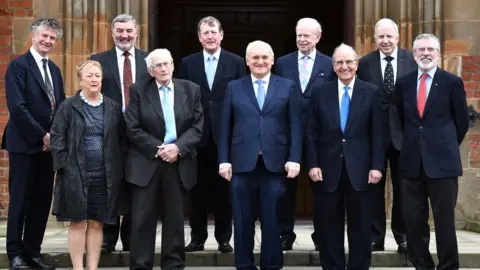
(424, 76)
(259, 82)
(164, 89)
(388, 58)
(211, 58)
(346, 87)
(305, 58)
(126, 53)
(44, 60)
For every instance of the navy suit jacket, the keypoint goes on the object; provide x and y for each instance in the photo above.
(322, 71)
(229, 67)
(111, 85)
(246, 130)
(433, 140)
(28, 104)
(361, 144)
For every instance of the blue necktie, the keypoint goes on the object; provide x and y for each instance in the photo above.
(344, 108)
(211, 70)
(303, 72)
(169, 115)
(260, 93)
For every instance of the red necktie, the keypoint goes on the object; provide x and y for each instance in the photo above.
(422, 94)
(127, 77)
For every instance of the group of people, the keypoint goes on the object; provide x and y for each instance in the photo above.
(134, 140)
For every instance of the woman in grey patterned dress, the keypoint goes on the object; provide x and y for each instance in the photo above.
(87, 142)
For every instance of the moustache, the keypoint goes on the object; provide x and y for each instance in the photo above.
(125, 39)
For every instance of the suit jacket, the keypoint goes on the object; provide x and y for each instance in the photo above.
(146, 130)
(111, 85)
(361, 144)
(28, 104)
(229, 67)
(433, 140)
(322, 71)
(276, 130)
(370, 70)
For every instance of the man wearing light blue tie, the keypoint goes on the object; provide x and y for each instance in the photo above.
(344, 156)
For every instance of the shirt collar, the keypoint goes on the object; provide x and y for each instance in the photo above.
(169, 85)
(216, 55)
(266, 79)
(341, 85)
(120, 52)
(37, 56)
(394, 54)
(311, 55)
(430, 73)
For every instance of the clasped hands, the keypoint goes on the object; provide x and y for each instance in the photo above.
(374, 176)
(292, 169)
(46, 143)
(168, 152)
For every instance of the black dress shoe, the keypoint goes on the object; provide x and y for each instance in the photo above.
(126, 247)
(225, 247)
(107, 248)
(377, 247)
(317, 248)
(41, 264)
(194, 246)
(19, 263)
(402, 248)
(287, 245)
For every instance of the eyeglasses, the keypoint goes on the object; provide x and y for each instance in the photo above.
(161, 65)
(423, 49)
(341, 63)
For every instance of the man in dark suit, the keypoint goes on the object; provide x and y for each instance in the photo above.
(309, 69)
(382, 67)
(34, 89)
(432, 109)
(211, 191)
(164, 125)
(344, 156)
(122, 66)
(260, 143)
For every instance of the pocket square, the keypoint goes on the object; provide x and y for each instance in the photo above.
(321, 74)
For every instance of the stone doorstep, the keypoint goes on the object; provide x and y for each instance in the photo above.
(214, 258)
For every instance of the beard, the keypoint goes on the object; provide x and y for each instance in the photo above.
(426, 64)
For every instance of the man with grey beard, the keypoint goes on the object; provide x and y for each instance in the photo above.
(122, 66)
(432, 110)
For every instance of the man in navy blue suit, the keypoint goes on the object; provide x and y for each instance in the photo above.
(344, 156)
(432, 109)
(309, 69)
(34, 89)
(260, 143)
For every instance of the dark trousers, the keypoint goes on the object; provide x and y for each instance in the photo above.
(30, 187)
(164, 193)
(330, 208)
(245, 189)
(379, 225)
(111, 232)
(442, 193)
(210, 194)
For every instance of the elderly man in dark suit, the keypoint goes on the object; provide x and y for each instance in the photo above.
(122, 66)
(382, 67)
(309, 69)
(432, 110)
(164, 125)
(211, 192)
(34, 89)
(344, 157)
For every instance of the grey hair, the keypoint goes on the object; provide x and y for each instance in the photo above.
(123, 18)
(426, 36)
(386, 22)
(210, 21)
(50, 23)
(310, 22)
(344, 46)
(258, 43)
(158, 53)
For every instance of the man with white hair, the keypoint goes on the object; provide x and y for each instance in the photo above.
(433, 113)
(309, 69)
(344, 157)
(382, 67)
(164, 125)
(260, 143)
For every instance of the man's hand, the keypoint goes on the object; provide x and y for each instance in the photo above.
(168, 152)
(374, 176)
(46, 143)
(315, 174)
(292, 169)
(226, 172)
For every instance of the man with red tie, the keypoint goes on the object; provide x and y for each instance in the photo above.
(122, 66)
(432, 109)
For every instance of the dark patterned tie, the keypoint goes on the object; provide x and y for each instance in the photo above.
(127, 77)
(49, 87)
(388, 76)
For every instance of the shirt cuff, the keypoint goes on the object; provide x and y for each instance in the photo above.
(293, 163)
(225, 165)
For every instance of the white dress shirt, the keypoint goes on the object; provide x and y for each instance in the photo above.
(341, 91)
(170, 94)
(265, 80)
(383, 63)
(38, 59)
(120, 62)
(310, 62)
(215, 63)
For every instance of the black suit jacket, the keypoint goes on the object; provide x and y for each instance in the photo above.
(28, 104)
(361, 144)
(370, 70)
(146, 130)
(111, 85)
(230, 67)
(433, 140)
